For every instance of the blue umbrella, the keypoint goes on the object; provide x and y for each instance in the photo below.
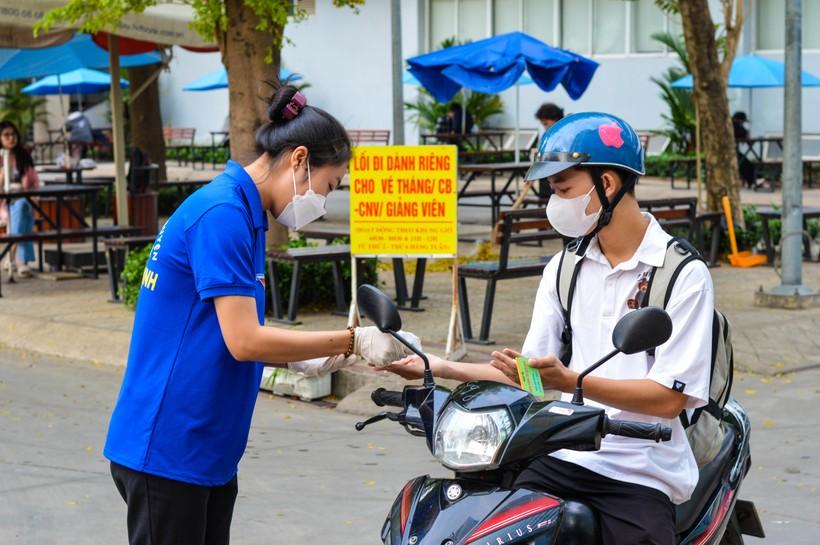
(218, 79)
(79, 52)
(495, 64)
(751, 71)
(80, 81)
(410, 79)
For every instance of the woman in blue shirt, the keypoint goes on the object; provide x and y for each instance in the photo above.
(181, 422)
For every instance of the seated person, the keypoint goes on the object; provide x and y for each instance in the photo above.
(746, 167)
(593, 161)
(456, 121)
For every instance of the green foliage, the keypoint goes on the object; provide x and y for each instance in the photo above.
(21, 109)
(132, 275)
(210, 20)
(680, 120)
(426, 110)
(316, 282)
(666, 164)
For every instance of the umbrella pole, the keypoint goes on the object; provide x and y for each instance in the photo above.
(517, 122)
(697, 158)
(66, 151)
(120, 188)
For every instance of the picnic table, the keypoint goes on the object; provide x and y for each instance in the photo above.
(768, 213)
(752, 148)
(54, 220)
(495, 139)
(70, 173)
(513, 171)
(331, 232)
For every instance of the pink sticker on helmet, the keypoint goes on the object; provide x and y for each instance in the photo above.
(610, 135)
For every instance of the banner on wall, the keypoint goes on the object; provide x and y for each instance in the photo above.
(403, 201)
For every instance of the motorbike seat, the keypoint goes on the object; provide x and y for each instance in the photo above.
(686, 514)
(579, 525)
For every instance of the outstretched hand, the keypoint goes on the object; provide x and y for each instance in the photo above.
(553, 373)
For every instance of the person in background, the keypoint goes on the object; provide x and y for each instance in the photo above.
(19, 211)
(456, 121)
(548, 114)
(80, 134)
(746, 168)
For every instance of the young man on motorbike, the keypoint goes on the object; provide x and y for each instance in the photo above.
(592, 162)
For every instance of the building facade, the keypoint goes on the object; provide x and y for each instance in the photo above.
(345, 57)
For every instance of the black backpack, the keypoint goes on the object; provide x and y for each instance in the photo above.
(704, 428)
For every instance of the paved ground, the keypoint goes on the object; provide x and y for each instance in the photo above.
(58, 384)
(307, 473)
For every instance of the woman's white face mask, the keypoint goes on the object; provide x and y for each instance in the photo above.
(303, 209)
(569, 216)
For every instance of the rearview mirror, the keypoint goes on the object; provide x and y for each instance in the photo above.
(642, 330)
(379, 308)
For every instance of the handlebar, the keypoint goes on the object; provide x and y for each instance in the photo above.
(638, 430)
(382, 397)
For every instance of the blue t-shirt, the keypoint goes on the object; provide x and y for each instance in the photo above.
(184, 409)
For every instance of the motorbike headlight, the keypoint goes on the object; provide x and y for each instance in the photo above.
(470, 440)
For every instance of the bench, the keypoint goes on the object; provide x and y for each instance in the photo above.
(683, 213)
(523, 225)
(336, 254)
(116, 252)
(369, 136)
(180, 138)
(47, 236)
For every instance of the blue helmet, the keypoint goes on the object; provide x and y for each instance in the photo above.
(588, 139)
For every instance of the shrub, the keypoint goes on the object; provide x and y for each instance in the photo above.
(132, 275)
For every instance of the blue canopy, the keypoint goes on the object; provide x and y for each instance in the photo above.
(495, 64)
(410, 79)
(79, 52)
(218, 79)
(80, 81)
(751, 71)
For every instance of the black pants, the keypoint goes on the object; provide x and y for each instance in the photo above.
(167, 512)
(630, 514)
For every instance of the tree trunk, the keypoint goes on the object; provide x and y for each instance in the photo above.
(145, 117)
(709, 93)
(244, 49)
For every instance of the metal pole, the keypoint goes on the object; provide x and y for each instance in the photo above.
(792, 238)
(517, 122)
(120, 186)
(398, 65)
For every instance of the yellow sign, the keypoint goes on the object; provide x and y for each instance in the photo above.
(403, 201)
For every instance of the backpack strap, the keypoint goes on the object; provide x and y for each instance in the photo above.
(679, 253)
(568, 268)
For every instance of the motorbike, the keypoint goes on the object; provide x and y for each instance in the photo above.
(487, 432)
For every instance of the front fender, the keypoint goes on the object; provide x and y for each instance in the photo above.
(432, 511)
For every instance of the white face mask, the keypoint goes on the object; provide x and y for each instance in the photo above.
(569, 216)
(303, 209)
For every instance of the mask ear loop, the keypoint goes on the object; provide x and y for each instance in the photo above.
(293, 177)
(310, 182)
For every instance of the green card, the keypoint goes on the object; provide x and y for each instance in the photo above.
(529, 377)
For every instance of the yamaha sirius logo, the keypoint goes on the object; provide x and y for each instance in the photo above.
(453, 492)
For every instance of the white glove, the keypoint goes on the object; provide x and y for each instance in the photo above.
(381, 349)
(321, 366)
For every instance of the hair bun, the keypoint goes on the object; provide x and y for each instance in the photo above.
(278, 102)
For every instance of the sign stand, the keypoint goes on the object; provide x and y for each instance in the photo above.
(455, 349)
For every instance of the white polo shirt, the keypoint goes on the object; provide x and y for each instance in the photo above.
(602, 295)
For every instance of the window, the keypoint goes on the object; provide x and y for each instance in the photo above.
(575, 25)
(647, 19)
(442, 22)
(771, 24)
(472, 20)
(539, 20)
(610, 26)
(506, 16)
(811, 22)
